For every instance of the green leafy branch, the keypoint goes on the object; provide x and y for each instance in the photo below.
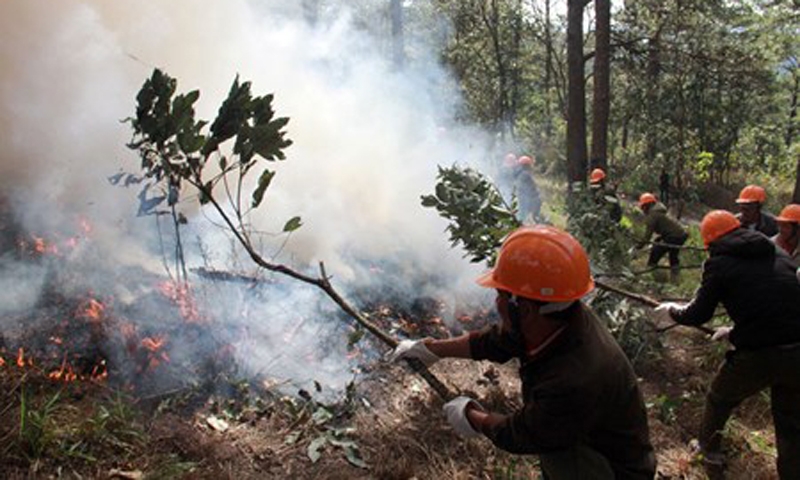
(174, 149)
(479, 217)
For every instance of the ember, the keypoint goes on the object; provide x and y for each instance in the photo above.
(21, 359)
(92, 311)
(181, 294)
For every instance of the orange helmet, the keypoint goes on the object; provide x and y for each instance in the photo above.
(752, 194)
(646, 199)
(510, 160)
(525, 160)
(542, 263)
(790, 214)
(597, 175)
(717, 223)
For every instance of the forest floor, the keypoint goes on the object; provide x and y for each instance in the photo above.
(390, 426)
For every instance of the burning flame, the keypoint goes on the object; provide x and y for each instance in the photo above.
(155, 355)
(21, 361)
(93, 311)
(181, 294)
(65, 373)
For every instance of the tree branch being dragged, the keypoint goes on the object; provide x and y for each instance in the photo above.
(176, 150)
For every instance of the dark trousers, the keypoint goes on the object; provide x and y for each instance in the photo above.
(577, 463)
(666, 245)
(745, 373)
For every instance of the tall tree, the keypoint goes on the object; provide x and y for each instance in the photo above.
(602, 83)
(398, 43)
(576, 99)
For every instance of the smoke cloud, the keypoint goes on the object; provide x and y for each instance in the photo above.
(367, 141)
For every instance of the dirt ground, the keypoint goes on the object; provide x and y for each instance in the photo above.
(391, 427)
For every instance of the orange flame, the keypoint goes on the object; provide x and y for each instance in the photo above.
(154, 344)
(155, 356)
(93, 310)
(65, 373)
(181, 294)
(2, 362)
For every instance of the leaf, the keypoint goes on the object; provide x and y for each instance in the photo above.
(353, 456)
(321, 416)
(293, 224)
(291, 439)
(263, 184)
(313, 450)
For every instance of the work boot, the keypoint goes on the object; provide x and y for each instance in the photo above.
(675, 275)
(713, 462)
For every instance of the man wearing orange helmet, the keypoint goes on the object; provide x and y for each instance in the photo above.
(671, 234)
(604, 196)
(756, 284)
(751, 214)
(787, 237)
(582, 412)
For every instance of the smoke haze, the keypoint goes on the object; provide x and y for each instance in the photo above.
(367, 141)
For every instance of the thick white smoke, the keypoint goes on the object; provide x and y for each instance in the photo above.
(367, 139)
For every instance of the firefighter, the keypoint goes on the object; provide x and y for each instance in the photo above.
(670, 234)
(751, 214)
(604, 196)
(787, 237)
(530, 203)
(756, 284)
(582, 411)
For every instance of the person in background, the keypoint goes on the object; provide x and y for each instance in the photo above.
(756, 284)
(663, 186)
(530, 203)
(787, 237)
(671, 234)
(604, 196)
(751, 202)
(582, 411)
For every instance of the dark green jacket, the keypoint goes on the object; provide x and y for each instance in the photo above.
(580, 390)
(658, 221)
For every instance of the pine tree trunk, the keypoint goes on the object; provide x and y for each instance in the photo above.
(576, 100)
(602, 84)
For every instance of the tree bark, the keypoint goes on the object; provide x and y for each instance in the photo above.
(398, 41)
(793, 108)
(602, 84)
(576, 100)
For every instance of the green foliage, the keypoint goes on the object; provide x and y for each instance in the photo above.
(37, 430)
(702, 165)
(479, 218)
(606, 242)
(174, 149)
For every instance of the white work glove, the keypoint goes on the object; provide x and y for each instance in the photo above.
(663, 312)
(456, 413)
(414, 349)
(721, 333)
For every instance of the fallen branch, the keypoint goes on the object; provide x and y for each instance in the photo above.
(644, 299)
(323, 283)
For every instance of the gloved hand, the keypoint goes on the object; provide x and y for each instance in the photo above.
(663, 312)
(456, 413)
(721, 333)
(414, 349)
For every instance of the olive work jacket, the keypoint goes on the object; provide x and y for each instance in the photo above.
(658, 221)
(757, 285)
(580, 390)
